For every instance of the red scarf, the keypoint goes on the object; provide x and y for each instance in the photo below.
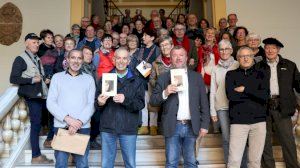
(166, 60)
(185, 43)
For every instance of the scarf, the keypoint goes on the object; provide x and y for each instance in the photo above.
(166, 60)
(226, 63)
(185, 42)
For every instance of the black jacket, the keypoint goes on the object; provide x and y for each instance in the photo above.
(288, 80)
(122, 118)
(199, 107)
(248, 107)
(26, 89)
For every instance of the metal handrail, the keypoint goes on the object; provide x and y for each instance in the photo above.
(177, 6)
(116, 7)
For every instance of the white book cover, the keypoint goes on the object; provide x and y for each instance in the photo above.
(109, 84)
(144, 69)
(177, 78)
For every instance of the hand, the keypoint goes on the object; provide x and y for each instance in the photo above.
(72, 122)
(72, 130)
(214, 118)
(102, 99)
(239, 89)
(170, 89)
(192, 62)
(119, 98)
(202, 132)
(47, 81)
(37, 79)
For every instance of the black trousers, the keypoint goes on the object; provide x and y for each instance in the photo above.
(284, 130)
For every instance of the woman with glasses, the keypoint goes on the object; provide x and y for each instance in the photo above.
(218, 99)
(161, 65)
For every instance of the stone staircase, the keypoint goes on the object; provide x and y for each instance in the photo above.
(150, 154)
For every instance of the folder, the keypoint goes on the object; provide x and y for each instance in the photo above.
(75, 144)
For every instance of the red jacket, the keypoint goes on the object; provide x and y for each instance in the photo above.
(105, 63)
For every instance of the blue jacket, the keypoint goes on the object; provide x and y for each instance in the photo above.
(96, 41)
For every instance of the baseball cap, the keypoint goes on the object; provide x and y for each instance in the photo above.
(32, 36)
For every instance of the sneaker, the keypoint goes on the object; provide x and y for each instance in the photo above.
(42, 159)
(153, 130)
(47, 144)
(143, 130)
(95, 145)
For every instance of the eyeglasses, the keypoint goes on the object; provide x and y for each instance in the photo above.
(224, 49)
(245, 56)
(182, 29)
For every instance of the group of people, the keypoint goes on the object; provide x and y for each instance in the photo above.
(229, 78)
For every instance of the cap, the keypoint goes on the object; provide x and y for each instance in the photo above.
(75, 26)
(32, 36)
(274, 41)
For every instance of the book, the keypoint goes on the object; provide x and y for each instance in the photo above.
(144, 69)
(177, 78)
(109, 84)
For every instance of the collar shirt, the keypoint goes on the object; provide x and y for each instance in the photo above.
(274, 87)
(183, 97)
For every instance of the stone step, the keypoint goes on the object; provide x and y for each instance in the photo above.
(96, 165)
(209, 155)
(158, 142)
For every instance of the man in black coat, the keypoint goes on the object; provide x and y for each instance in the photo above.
(284, 77)
(185, 113)
(119, 115)
(247, 92)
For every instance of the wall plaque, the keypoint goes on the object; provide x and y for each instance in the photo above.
(10, 24)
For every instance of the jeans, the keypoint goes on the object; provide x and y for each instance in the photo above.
(182, 142)
(80, 161)
(35, 114)
(109, 149)
(223, 116)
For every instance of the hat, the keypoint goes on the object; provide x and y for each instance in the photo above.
(274, 41)
(75, 26)
(32, 36)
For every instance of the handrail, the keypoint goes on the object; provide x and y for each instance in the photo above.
(113, 3)
(177, 6)
(7, 100)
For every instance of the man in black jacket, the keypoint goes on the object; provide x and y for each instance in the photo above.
(27, 72)
(247, 92)
(283, 77)
(119, 115)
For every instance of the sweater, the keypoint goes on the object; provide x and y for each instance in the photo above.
(73, 96)
(218, 99)
(249, 106)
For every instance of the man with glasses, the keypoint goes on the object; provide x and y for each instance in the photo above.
(283, 77)
(181, 39)
(247, 92)
(232, 20)
(85, 21)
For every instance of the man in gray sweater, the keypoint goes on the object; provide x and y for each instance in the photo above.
(71, 102)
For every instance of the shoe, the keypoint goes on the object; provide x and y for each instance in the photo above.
(95, 145)
(47, 144)
(143, 130)
(42, 159)
(153, 130)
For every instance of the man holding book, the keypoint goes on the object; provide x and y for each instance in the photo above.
(185, 114)
(119, 114)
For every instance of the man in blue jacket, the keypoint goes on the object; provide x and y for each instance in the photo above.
(119, 115)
